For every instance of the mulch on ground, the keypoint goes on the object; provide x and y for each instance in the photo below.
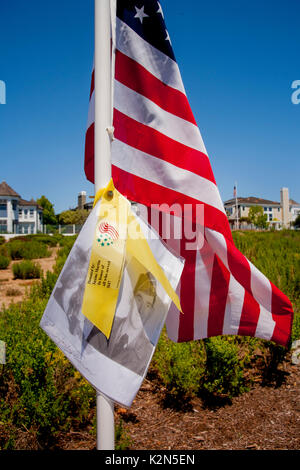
(265, 418)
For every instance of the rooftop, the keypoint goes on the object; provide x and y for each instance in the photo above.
(32, 202)
(6, 190)
(256, 200)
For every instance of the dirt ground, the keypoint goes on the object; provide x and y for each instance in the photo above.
(265, 418)
(13, 290)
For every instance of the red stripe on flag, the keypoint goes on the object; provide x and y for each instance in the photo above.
(239, 266)
(89, 153)
(187, 294)
(146, 192)
(137, 78)
(153, 142)
(249, 316)
(218, 298)
(282, 313)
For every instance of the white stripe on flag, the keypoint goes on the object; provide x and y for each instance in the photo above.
(172, 321)
(173, 243)
(156, 62)
(218, 244)
(147, 112)
(265, 324)
(203, 274)
(261, 288)
(234, 307)
(165, 174)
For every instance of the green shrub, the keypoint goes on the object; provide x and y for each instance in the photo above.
(63, 254)
(4, 251)
(179, 366)
(214, 366)
(27, 270)
(44, 288)
(50, 240)
(12, 292)
(67, 240)
(39, 388)
(4, 262)
(223, 374)
(19, 249)
(2, 240)
(122, 438)
(296, 328)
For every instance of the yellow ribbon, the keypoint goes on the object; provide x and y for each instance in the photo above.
(117, 234)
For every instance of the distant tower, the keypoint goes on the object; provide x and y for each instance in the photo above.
(285, 207)
(81, 199)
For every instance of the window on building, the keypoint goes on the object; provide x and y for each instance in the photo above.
(270, 217)
(3, 226)
(3, 208)
(14, 205)
(31, 212)
(270, 209)
(265, 209)
(25, 214)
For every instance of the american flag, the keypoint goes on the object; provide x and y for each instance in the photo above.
(158, 156)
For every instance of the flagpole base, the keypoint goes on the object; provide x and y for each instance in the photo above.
(105, 423)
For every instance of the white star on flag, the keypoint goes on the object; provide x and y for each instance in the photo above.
(140, 14)
(160, 10)
(168, 37)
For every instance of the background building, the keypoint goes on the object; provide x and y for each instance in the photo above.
(18, 215)
(83, 203)
(279, 214)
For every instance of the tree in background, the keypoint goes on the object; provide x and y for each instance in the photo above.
(257, 217)
(49, 217)
(297, 222)
(77, 217)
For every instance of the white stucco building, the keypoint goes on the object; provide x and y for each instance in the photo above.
(279, 214)
(18, 215)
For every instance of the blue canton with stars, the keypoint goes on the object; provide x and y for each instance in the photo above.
(145, 17)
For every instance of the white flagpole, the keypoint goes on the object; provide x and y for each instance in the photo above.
(236, 207)
(103, 121)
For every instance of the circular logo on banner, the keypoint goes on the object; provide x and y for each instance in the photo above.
(107, 234)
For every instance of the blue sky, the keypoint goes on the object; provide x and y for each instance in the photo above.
(237, 58)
